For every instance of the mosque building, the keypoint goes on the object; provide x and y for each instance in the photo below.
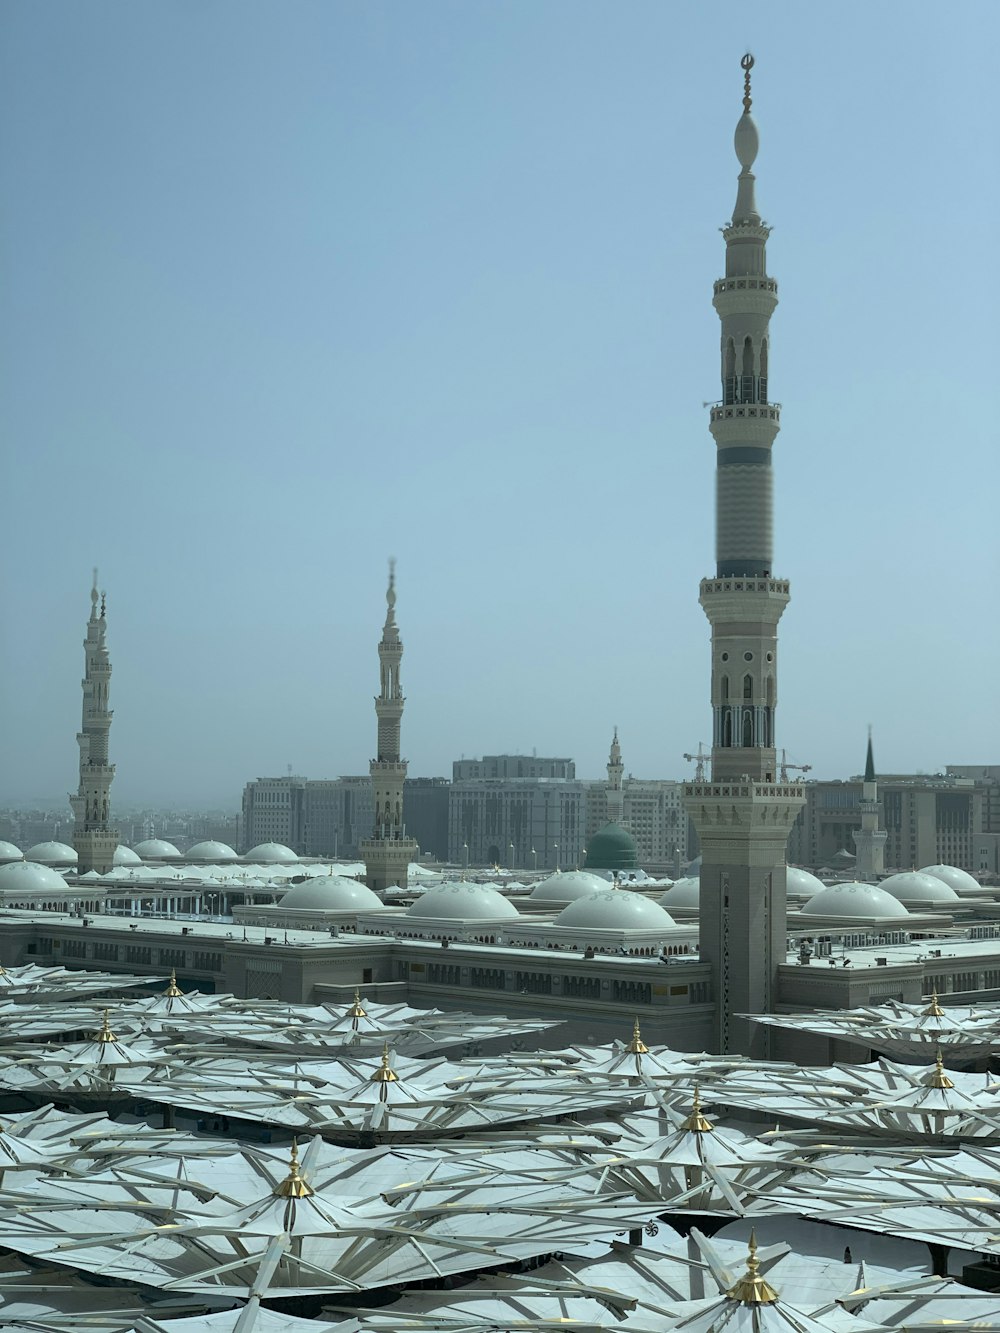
(612, 848)
(695, 958)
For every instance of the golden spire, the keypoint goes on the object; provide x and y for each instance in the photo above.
(637, 1046)
(105, 1033)
(384, 1073)
(356, 1010)
(751, 1288)
(696, 1123)
(293, 1186)
(746, 64)
(173, 990)
(933, 1010)
(937, 1078)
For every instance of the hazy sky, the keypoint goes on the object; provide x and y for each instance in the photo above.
(293, 287)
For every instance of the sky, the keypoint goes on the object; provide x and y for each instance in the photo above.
(294, 288)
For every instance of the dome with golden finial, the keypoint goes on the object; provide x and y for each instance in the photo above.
(637, 1046)
(937, 1078)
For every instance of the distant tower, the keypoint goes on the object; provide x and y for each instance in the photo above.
(869, 840)
(94, 836)
(616, 794)
(388, 852)
(743, 817)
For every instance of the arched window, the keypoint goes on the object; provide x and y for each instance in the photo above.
(746, 385)
(748, 686)
(763, 371)
(727, 728)
(725, 687)
(729, 372)
(747, 728)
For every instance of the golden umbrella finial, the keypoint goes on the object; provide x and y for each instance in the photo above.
(356, 1010)
(746, 64)
(105, 1033)
(293, 1186)
(937, 1078)
(933, 1010)
(637, 1046)
(696, 1123)
(751, 1288)
(173, 990)
(384, 1073)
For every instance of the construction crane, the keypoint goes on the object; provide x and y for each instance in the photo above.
(786, 767)
(699, 760)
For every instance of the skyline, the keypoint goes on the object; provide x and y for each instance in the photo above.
(222, 319)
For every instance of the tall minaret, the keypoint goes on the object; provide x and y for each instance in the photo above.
(388, 852)
(743, 816)
(94, 836)
(869, 840)
(616, 794)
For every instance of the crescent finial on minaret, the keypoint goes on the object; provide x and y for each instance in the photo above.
(746, 64)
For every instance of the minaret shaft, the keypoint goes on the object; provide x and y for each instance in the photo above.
(870, 838)
(743, 817)
(94, 836)
(388, 852)
(616, 790)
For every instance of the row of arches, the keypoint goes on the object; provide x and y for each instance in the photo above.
(744, 371)
(744, 726)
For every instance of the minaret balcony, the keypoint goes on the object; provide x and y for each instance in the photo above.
(745, 412)
(745, 296)
(738, 599)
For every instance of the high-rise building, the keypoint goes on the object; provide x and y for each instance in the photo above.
(387, 853)
(511, 767)
(527, 823)
(870, 838)
(273, 810)
(743, 816)
(927, 820)
(94, 835)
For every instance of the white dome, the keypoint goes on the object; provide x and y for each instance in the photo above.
(332, 893)
(29, 877)
(565, 886)
(51, 854)
(210, 851)
(801, 883)
(463, 902)
(959, 880)
(684, 892)
(913, 886)
(124, 856)
(271, 853)
(854, 900)
(615, 909)
(8, 852)
(155, 849)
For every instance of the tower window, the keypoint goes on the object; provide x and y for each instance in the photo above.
(748, 686)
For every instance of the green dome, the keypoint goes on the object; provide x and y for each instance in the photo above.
(611, 848)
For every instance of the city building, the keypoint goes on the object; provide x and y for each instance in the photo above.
(743, 816)
(528, 822)
(926, 820)
(511, 767)
(94, 834)
(388, 851)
